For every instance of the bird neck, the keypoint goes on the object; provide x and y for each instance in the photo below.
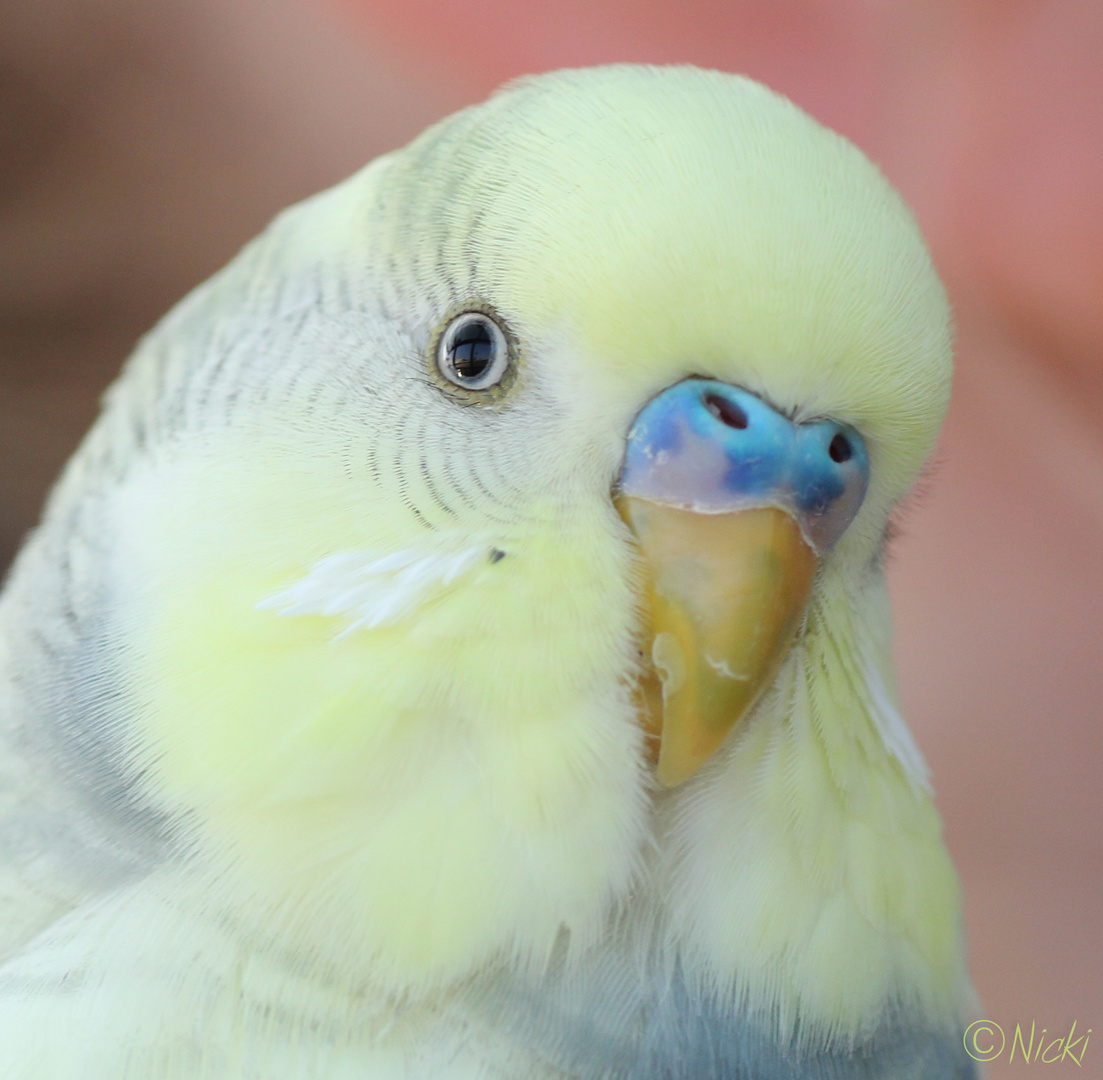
(810, 875)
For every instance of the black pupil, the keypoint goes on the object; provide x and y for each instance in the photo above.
(840, 449)
(472, 349)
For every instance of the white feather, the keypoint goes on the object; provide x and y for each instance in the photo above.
(370, 589)
(891, 725)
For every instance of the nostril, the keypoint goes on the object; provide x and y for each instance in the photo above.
(726, 411)
(840, 449)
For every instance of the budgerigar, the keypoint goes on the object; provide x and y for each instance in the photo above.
(460, 649)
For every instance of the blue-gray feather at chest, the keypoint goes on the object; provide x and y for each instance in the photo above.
(614, 1020)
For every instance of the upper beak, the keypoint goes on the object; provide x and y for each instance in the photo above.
(733, 505)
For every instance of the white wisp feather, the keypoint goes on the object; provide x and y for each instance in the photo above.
(371, 589)
(892, 726)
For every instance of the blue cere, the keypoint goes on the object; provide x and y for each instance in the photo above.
(710, 446)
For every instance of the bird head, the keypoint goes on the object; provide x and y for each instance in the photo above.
(533, 479)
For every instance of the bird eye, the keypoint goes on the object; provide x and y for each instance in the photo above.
(473, 353)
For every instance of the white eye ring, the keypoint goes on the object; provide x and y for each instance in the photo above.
(473, 352)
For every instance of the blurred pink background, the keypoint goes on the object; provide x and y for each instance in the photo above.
(142, 141)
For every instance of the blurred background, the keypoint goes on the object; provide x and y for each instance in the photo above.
(143, 141)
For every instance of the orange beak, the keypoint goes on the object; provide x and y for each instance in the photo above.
(724, 598)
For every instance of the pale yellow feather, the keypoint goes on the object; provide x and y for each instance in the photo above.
(356, 823)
